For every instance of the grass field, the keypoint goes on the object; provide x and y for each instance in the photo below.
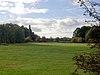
(39, 58)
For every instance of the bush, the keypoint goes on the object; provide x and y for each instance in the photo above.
(89, 62)
(78, 40)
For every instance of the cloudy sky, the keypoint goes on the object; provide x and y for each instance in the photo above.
(56, 18)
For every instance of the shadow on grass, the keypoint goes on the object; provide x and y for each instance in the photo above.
(32, 44)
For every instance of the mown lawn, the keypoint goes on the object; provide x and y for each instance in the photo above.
(39, 58)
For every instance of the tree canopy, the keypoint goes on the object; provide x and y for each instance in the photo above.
(90, 62)
(13, 33)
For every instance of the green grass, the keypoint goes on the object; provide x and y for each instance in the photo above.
(39, 58)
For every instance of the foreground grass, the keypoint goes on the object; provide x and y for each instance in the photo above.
(39, 58)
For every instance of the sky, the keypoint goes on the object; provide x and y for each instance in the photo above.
(49, 18)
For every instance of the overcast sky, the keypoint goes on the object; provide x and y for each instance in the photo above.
(56, 18)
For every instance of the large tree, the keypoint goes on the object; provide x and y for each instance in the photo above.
(80, 33)
(90, 62)
(13, 33)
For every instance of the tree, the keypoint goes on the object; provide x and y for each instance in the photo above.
(37, 38)
(93, 34)
(83, 31)
(20, 36)
(57, 39)
(51, 39)
(76, 32)
(90, 62)
(26, 31)
(30, 32)
(79, 34)
(43, 39)
(13, 33)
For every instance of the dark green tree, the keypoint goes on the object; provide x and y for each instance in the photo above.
(90, 62)
(83, 31)
(79, 34)
(43, 39)
(13, 33)
(76, 33)
(20, 36)
(57, 39)
(30, 32)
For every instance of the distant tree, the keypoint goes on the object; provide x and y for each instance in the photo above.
(33, 36)
(37, 38)
(79, 34)
(51, 39)
(26, 31)
(43, 39)
(13, 33)
(57, 39)
(30, 32)
(20, 36)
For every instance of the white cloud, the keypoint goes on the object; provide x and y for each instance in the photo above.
(3, 3)
(3, 12)
(36, 29)
(50, 27)
(18, 6)
(37, 21)
(68, 21)
(22, 1)
(20, 9)
(4, 8)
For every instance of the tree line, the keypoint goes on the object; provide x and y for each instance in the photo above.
(13, 33)
(86, 34)
(57, 39)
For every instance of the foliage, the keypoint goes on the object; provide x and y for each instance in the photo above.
(12, 33)
(78, 40)
(90, 62)
(93, 33)
(43, 39)
(80, 33)
(76, 33)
